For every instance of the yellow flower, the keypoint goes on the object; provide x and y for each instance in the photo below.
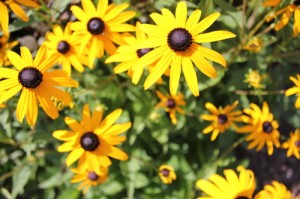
(295, 90)
(93, 139)
(2, 105)
(175, 41)
(293, 144)
(262, 128)
(171, 104)
(221, 118)
(254, 79)
(233, 186)
(275, 190)
(17, 9)
(101, 26)
(286, 14)
(254, 45)
(89, 178)
(64, 45)
(5, 46)
(129, 53)
(167, 174)
(38, 84)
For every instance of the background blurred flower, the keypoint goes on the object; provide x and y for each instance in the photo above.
(254, 79)
(275, 190)
(254, 45)
(167, 174)
(295, 90)
(293, 144)
(5, 46)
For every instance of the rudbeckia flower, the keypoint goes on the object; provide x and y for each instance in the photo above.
(262, 127)
(295, 90)
(129, 53)
(232, 186)
(254, 45)
(93, 139)
(100, 27)
(89, 178)
(5, 46)
(286, 14)
(16, 8)
(275, 190)
(175, 40)
(64, 45)
(171, 104)
(167, 174)
(254, 79)
(36, 83)
(293, 144)
(221, 118)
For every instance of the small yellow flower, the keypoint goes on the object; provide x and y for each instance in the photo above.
(233, 186)
(275, 190)
(221, 118)
(89, 178)
(293, 144)
(295, 90)
(254, 79)
(167, 174)
(5, 46)
(171, 104)
(254, 45)
(262, 128)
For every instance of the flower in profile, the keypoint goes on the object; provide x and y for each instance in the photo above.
(275, 190)
(167, 174)
(88, 178)
(254, 79)
(175, 41)
(254, 45)
(93, 139)
(5, 46)
(171, 104)
(232, 186)
(129, 53)
(38, 84)
(262, 127)
(16, 8)
(293, 144)
(64, 45)
(286, 14)
(295, 90)
(221, 119)
(100, 27)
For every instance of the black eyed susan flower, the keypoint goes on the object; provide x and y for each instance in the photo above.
(295, 90)
(167, 174)
(64, 45)
(93, 139)
(293, 144)
(100, 27)
(286, 14)
(262, 128)
(5, 46)
(232, 186)
(254, 45)
(275, 190)
(129, 53)
(38, 84)
(221, 118)
(89, 178)
(16, 8)
(175, 41)
(171, 104)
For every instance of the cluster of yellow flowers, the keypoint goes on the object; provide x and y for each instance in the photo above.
(169, 47)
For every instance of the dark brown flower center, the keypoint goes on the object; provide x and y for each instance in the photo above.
(30, 77)
(63, 47)
(141, 52)
(222, 118)
(95, 26)
(297, 143)
(297, 2)
(92, 176)
(165, 172)
(241, 197)
(89, 141)
(171, 103)
(179, 39)
(267, 127)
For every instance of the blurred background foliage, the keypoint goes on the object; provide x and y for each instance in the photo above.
(30, 166)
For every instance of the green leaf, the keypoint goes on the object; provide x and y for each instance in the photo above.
(20, 179)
